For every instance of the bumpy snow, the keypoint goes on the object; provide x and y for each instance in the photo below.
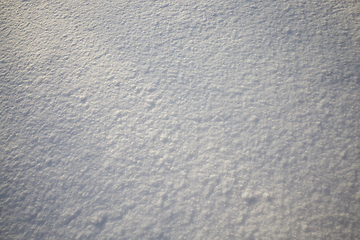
(180, 119)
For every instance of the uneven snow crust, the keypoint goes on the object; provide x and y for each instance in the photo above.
(180, 119)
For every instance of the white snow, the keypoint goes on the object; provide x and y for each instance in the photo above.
(180, 119)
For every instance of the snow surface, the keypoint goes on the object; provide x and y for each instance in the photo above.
(180, 119)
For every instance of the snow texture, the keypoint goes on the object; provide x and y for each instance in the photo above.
(180, 119)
